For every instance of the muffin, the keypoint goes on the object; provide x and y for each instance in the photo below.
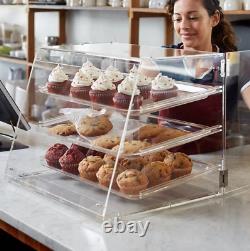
(135, 163)
(82, 149)
(124, 92)
(163, 87)
(143, 82)
(157, 172)
(104, 175)
(132, 181)
(89, 166)
(180, 163)
(114, 75)
(159, 156)
(102, 91)
(92, 71)
(70, 160)
(81, 86)
(54, 153)
(58, 82)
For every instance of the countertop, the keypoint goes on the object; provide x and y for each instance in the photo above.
(215, 224)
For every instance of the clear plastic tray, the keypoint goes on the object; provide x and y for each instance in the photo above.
(195, 132)
(186, 93)
(198, 169)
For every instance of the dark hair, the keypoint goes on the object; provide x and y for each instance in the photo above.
(222, 34)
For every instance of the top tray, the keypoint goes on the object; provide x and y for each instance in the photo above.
(186, 93)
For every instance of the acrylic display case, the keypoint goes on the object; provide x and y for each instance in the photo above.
(128, 151)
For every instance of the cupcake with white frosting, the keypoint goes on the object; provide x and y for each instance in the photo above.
(81, 85)
(102, 90)
(124, 92)
(143, 81)
(162, 88)
(58, 81)
(114, 75)
(90, 70)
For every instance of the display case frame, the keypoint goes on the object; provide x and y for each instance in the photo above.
(208, 178)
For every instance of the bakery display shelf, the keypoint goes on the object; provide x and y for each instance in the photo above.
(193, 132)
(199, 168)
(187, 93)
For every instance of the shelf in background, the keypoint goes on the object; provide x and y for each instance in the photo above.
(13, 60)
(65, 7)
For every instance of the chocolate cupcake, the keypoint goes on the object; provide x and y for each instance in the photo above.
(89, 166)
(54, 153)
(102, 91)
(81, 86)
(123, 96)
(163, 87)
(132, 181)
(70, 160)
(114, 75)
(58, 82)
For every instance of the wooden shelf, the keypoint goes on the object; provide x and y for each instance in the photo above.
(237, 12)
(65, 7)
(13, 60)
(149, 10)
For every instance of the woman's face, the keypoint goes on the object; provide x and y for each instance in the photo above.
(193, 24)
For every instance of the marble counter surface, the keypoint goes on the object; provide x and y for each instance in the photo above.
(217, 224)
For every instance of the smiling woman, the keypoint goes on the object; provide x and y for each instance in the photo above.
(201, 26)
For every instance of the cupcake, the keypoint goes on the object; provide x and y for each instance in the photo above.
(70, 160)
(123, 96)
(54, 153)
(180, 163)
(92, 71)
(102, 91)
(104, 175)
(143, 82)
(157, 172)
(58, 82)
(163, 87)
(81, 86)
(114, 75)
(89, 166)
(132, 181)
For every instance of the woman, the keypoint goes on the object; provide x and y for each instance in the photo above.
(201, 26)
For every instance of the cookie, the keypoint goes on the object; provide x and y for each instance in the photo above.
(107, 141)
(63, 129)
(94, 126)
(149, 131)
(132, 146)
(167, 134)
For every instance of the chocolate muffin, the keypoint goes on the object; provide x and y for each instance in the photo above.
(54, 153)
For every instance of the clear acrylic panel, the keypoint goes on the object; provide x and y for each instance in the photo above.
(156, 139)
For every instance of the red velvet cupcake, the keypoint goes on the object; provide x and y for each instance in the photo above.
(163, 87)
(114, 75)
(81, 86)
(123, 96)
(92, 71)
(58, 82)
(102, 91)
(70, 160)
(54, 153)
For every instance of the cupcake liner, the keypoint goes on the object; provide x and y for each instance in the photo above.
(102, 97)
(145, 91)
(122, 101)
(80, 92)
(163, 94)
(59, 87)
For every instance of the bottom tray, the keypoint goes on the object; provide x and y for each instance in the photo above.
(198, 169)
